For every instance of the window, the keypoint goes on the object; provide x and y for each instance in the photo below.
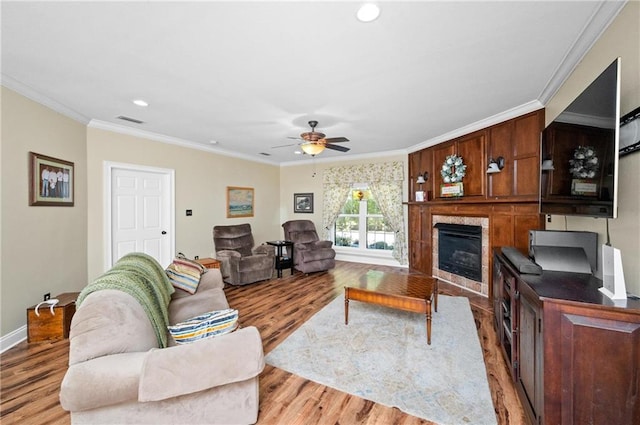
(361, 220)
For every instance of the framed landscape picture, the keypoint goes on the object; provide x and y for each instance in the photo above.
(303, 202)
(239, 202)
(51, 181)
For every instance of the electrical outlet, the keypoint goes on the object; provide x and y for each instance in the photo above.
(46, 296)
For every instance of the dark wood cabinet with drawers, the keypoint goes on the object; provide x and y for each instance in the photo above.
(574, 354)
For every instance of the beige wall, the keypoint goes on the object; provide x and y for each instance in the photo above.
(621, 39)
(299, 178)
(44, 249)
(201, 179)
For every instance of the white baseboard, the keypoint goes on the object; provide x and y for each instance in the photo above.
(365, 259)
(13, 338)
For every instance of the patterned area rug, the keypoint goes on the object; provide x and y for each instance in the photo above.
(383, 356)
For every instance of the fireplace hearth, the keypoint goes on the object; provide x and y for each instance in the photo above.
(460, 250)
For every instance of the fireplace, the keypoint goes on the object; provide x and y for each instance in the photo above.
(460, 250)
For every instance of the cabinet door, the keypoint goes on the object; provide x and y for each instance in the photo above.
(472, 150)
(526, 154)
(414, 170)
(518, 142)
(523, 222)
(419, 239)
(440, 153)
(501, 184)
(529, 355)
(591, 365)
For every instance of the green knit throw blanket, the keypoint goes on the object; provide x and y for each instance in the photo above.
(140, 276)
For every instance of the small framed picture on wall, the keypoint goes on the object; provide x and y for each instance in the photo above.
(51, 181)
(303, 202)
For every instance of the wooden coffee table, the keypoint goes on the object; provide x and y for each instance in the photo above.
(408, 292)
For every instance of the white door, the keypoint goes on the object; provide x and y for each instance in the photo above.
(141, 213)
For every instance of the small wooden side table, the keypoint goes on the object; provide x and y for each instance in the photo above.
(48, 327)
(282, 261)
(210, 263)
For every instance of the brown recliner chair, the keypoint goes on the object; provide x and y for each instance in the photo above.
(241, 262)
(310, 254)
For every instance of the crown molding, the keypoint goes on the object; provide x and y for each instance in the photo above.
(598, 23)
(345, 158)
(157, 137)
(534, 105)
(38, 97)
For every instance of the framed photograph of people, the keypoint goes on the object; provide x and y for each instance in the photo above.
(239, 202)
(51, 181)
(303, 202)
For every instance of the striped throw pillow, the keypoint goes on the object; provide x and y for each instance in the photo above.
(185, 274)
(206, 325)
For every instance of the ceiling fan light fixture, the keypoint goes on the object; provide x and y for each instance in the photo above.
(368, 12)
(140, 102)
(312, 148)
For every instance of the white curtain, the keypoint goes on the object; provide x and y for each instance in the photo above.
(385, 182)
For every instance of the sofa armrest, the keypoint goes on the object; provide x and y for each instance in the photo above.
(185, 369)
(102, 381)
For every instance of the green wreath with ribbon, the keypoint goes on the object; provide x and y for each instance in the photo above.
(453, 169)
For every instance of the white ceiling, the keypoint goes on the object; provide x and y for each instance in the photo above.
(251, 74)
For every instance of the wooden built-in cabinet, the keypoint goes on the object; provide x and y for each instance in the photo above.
(509, 199)
(573, 354)
(518, 142)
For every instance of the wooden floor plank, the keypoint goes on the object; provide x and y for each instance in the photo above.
(31, 374)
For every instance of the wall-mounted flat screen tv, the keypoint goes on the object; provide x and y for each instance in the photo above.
(579, 155)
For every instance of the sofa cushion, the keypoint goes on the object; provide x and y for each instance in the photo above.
(184, 308)
(109, 322)
(208, 325)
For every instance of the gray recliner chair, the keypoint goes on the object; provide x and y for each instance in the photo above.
(241, 262)
(310, 254)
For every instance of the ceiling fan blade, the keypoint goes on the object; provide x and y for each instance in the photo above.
(336, 147)
(284, 146)
(336, 140)
(294, 138)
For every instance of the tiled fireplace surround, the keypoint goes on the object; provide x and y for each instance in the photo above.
(472, 285)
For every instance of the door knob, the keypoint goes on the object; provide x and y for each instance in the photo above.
(164, 232)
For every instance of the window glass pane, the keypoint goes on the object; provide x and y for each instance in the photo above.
(379, 234)
(352, 206)
(347, 231)
(372, 207)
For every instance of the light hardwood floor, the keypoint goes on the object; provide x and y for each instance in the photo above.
(31, 373)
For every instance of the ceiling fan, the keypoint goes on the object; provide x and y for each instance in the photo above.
(314, 142)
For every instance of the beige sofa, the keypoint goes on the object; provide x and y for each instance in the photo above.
(118, 375)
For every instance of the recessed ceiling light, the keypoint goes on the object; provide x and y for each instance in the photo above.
(213, 142)
(298, 152)
(140, 102)
(368, 12)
